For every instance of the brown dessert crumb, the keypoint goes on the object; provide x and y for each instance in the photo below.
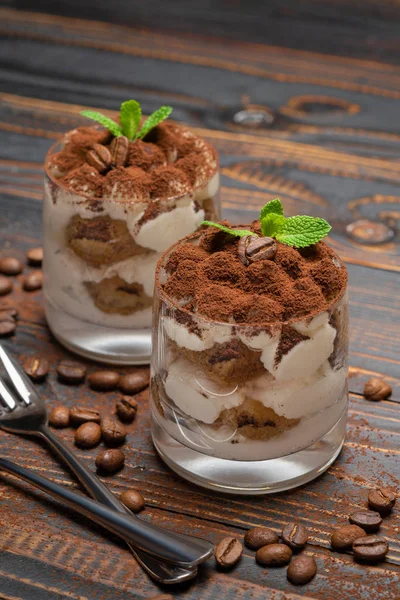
(84, 180)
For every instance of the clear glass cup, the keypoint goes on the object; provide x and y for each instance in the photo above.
(272, 429)
(99, 272)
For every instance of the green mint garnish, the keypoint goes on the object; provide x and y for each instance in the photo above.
(299, 231)
(130, 115)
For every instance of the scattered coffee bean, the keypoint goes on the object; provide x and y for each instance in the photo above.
(382, 500)
(36, 367)
(88, 435)
(10, 266)
(377, 389)
(132, 500)
(343, 538)
(295, 536)
(371, 548)
(369, 520)
(7, 326)
(79, 415)
(228, 552)
(35, 256)
(59, 417)
(260, 536)
(33, 281)
(134, 382)
(113, 432)
(104, 381)
(301, 570)
(6, 285)
(99, 157)
(274, 555)
(110, 461)
(126, 409)
(71, 372)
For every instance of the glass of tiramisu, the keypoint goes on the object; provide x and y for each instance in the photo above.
(249, 368)
(116, 197)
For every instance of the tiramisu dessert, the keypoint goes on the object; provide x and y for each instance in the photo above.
(116, 196)
(250, 344)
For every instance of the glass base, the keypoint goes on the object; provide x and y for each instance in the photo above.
(110, 345)
(250, 477)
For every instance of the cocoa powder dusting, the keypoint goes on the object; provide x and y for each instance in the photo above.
(288, 340)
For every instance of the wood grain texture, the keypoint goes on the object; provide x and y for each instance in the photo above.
(331, 150)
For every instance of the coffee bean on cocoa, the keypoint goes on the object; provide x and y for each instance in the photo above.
(6, 285)
(126, 409)
(113, 432)
(228, 552)
(134, 382)
(99, 157)
(79, 415)
(369, 520)
(371, 548)
(377, 389)
(59, 417)
(119, 151)
(382, 500)
(301, 570)
(274, 555)
(33, 281)
(132, 500)
(71, 372)
(295, 536)
(342, 539)
(88, 435)
(7, 326)
(37, 367)
(35, 256)
(10, 266)
(104, 381)
(110, 461)
(260, 536)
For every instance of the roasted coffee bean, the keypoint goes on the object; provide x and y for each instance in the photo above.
(253, 248)
(301, 570)
(371, 548)
(104, 381)
(382, 500)
(126, 409)
(7, 326)
(35, 256)
(274, 555)
(295, 536)
(10, 266)
(342, 539)
(6, 285)
(134, 382)
(36, 367)
(88, 435)
(33, 281)
(59, 417)
(228, 552)
(132, 500)
(79, 415)
(369, 520)
(260, 536)
(119, 151)
(99, 157)
(377, 389)
(110, 461)
(113, 432)
(71, 372)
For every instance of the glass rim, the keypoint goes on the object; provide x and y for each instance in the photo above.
(160, 293)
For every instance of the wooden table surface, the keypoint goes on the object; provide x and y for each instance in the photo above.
(332, 149)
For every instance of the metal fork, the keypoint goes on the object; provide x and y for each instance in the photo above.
(29, 416)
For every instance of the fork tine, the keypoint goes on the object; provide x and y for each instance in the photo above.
(17, 377)
(6, 396)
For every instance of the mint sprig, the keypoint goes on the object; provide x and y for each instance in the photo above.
(300, 231)
(130, 116)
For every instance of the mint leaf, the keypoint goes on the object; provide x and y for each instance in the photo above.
(271, 224)
(103, 120)
(302, 231)
(154, 119)
(130, 115)
(273, 206)
(237, 232)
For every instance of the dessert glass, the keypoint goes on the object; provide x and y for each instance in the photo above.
(104, 232)
(248, 408)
